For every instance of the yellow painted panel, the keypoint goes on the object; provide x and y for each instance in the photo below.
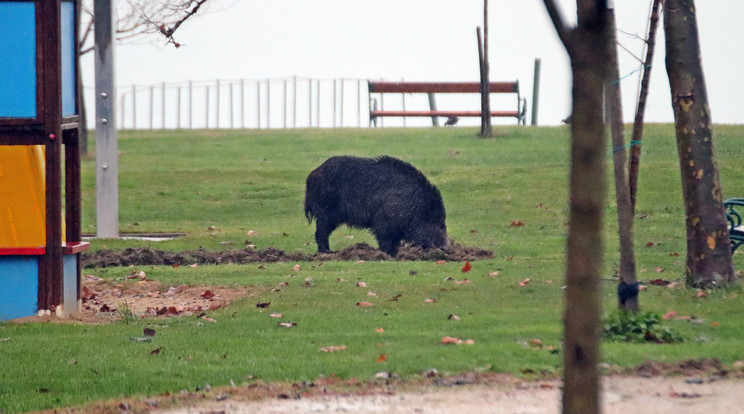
(22, 196)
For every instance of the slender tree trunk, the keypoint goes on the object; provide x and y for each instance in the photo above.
(587, 46)
(627, 290)
(485, 68)
(709, 261)
(635, 148)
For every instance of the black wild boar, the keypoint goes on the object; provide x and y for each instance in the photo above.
(386, 195)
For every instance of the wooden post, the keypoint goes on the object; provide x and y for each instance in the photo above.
(107, 159)
(485, 92)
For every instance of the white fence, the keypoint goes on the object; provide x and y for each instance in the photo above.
(294, 102)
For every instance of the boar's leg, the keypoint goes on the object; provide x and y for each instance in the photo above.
(389, 245)
(323, 229)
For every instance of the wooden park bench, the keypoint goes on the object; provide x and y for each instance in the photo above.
(431, 88)
(734, 209)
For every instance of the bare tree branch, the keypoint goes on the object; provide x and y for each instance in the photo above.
(558, 21)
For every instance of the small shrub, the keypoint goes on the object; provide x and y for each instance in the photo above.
(638, 327)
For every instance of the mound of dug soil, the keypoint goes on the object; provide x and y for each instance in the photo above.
(144, 256)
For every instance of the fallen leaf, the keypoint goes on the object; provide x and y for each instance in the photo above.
(252, 233)
(194, 266)
(659, 269)
(714, 324)
(263, 305)
(524, 282)
(275, 315)
(441, 262)
(462, 282)
(381, 358)
(334, 348)
(467, 267)
(669, 315)
(208, 319)
(701, 293)
(287, 324)
(453, 317)
(297, 268)
(148, 332)
(711, 242)
(371, 294)
(427, 300)
(208, 294)
(395, 298)
(156, 351)
(494, 273)
(450, 340)
(93, 278)
(154, 294)
(380, 330)
(536, 343)
(341, 279)
(517, 223)
(365, 304)
(361, 261)
(361, 284)
(650, 244)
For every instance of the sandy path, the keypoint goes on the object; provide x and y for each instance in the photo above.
(621, 395)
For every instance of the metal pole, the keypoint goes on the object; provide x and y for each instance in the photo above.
(178, 107)
(310, 103)
(206, 110)
(432, 107)
(230, 98)
(134, 106)
(359, 103)
(107, 159)
(341, 104)
(258, 105)
(535, 91)
(294, 102)
(217, 104)
(317, 102)
(268, 103)
(121, 116)
(191, 105)
(152, 104)
(334, 103)
(163, 105)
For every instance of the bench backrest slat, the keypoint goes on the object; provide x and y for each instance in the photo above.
(440, 87)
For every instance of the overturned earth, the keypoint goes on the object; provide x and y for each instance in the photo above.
(143, 256)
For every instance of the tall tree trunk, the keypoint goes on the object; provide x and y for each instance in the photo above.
(635, 140)
(709, 261)
(587, 46)
(628, 287)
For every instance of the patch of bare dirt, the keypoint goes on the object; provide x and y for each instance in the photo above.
(143, 256)
(135, 296)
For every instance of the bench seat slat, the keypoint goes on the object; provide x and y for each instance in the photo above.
(374, 114)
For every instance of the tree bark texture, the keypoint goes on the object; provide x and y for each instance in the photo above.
(709, 262)
(614, 105)
(587, 46)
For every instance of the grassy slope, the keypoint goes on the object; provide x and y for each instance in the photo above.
(254, 180)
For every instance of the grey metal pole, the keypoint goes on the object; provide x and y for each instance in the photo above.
(535, 91)
(107, 164)
(163, 106)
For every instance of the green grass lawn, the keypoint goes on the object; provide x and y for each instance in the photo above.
(216, 186)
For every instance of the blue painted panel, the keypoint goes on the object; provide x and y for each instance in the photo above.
(19, 286)
(68, 58)
(18, 57)
(70, 293)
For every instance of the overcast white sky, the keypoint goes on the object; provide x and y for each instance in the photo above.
(429, 40)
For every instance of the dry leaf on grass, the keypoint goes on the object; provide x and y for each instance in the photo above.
(333, 348)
